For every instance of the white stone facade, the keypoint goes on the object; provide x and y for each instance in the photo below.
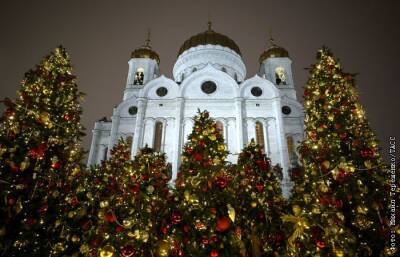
(232, 104)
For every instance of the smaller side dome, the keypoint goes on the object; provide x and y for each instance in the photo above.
(274, 51)
(145, 51)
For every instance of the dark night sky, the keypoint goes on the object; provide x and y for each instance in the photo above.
(100, 36)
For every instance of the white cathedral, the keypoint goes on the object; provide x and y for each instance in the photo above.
(209, 74)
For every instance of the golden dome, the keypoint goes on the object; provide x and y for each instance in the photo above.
(209, 37)
(146, 51)
(274, 51)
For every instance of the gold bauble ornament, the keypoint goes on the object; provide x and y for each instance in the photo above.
(104, 204)
(307, 198)
(127, 223)
(107, 251)
(75, 238)
(163, 248)
(25, 164)
(323, 188)
(316, 210)
(84, 248)
(338, 253)
(212, 137)
(150, 189)
(231, 213)
(253, 204)
(100, 214)
(144, 236)
(296, 209)
(221, 147)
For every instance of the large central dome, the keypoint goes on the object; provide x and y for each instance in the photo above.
(209, 37)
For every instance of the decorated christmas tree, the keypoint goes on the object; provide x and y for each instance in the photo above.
(117, 208)
(39, 152)
(340, 201)
(259, 203)
(206, 220)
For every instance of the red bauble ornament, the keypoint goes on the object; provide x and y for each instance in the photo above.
(67, 117)
(260, 187)
(263, 165)
(367, 153)
(198, 157)
(110, 217)
(86, 224)
(343, 135)
(213, 210)
(223, 224)
(43, 209)
(338, 203)
(11, 200)
(176, 217)
(119, 229)
(135, 188)
(204, 240)
(201, 143)
(189, 150)
(30, 221)
(56, 165)
(214, 253)
(164, 230)
(74, 201)
(127, 251)
(321, 244)
(221, 182)
(261, 216)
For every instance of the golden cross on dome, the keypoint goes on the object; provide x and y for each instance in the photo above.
(147, 41)
(271, 39)
(209, 23)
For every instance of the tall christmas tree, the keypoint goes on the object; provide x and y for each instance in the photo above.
(340, 202)
(117, 209)
(259, 203)
(205, 220)
(39, 135)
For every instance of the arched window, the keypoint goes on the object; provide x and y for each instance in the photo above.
(139, 77)
(194, 69)
(158, 130)
(105, 153)
(129, 140)
(220, 127)
(291, 150)
(280, 77)
(260, 135)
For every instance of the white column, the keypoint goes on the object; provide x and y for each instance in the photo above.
(137, 137)
(266, 141)
(178, 138)
(282, 145)
(239, 123)
(114, 132)
(251, 130)
(93, 147)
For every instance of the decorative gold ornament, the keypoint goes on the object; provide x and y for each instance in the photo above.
(296, 209)
(107, 251)
(300, 225)
(150, 189)
(104, 204)
(163, 248)
(231, 212)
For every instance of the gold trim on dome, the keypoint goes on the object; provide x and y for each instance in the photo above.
(209, 37)
(146, 51)
(274, 51)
